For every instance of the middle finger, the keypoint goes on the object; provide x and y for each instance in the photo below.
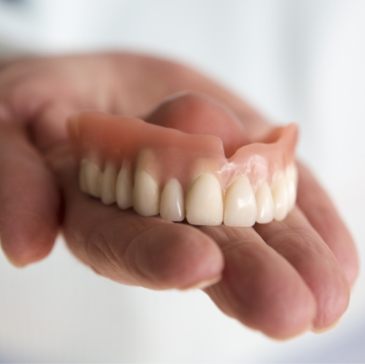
(259, 287)
(297, 241)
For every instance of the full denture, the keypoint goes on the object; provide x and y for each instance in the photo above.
(160, 170)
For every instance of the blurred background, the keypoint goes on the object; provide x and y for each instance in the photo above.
(301, 60)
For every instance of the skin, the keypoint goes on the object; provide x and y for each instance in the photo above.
(281, 278)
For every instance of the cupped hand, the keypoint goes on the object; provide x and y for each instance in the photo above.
(280, 278)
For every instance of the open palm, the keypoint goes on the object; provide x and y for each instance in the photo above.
(280, 278)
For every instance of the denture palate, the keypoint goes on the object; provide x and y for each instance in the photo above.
(163, 171)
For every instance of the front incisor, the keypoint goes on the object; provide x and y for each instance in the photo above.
(204, 201)
(145, 194)
(264, 204)
(240, 203)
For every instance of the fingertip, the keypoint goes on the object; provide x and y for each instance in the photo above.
(176, 256)
(325, 329)
(288, 314)
(333, 307)
(263, 291)
(23, 247)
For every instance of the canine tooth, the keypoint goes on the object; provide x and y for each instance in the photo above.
(108, 181)
(280, 197)
(145, 194)
(123, 188)
(204, 201)
(92, 178)
(240, 203)
(82, 175)
(172, 201)
(265, 204)
(291, 177)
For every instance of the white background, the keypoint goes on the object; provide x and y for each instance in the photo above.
(295, 60)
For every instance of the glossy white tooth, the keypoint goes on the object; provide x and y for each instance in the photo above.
(240, 203)
(145, 194)
(82, 175)
(108, 181)
(291, 178)
(123, 188)
(204, 201)
(265, 204)
(280, 196)
(172, 201)
(92, 178)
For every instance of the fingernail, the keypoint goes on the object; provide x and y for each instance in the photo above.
(202, 284)
(10, 259)
(325, 329)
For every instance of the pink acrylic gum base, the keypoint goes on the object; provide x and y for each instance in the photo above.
(171, 153)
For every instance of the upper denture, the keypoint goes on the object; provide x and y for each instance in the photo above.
(178, 154)
(157, 155)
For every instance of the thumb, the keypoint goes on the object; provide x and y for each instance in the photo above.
(49, 125)
(196, 113)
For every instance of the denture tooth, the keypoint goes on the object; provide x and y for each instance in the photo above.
(204, 201)
(172, 201)
(145, 194)
(240, 203)
(82, 175)
(108, 181)
(92, 178)
(265, 204)
(292, 180)
(280, 196)
(123, 188)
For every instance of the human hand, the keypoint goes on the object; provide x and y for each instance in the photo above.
(280, 278)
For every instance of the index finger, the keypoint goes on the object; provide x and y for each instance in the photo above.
(28, 199)
(133, 249)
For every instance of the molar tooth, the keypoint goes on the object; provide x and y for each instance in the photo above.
(145, 194)
(172, 201)
(280, 196)
(265, 204)
(108, 180)
(124, 190)
(240, 203)
(82, 175)
(92, 178)
(204, 201)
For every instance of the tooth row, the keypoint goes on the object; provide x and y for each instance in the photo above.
(204, 203)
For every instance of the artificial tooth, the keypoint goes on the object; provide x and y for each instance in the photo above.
(123, 188)
(108, 181)
(172, 201)
(265, 204)
(82, 175)
(204, 201)
(280, 196)
(292, 180)
(240, 203)
(92, 178)
(145, 194)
